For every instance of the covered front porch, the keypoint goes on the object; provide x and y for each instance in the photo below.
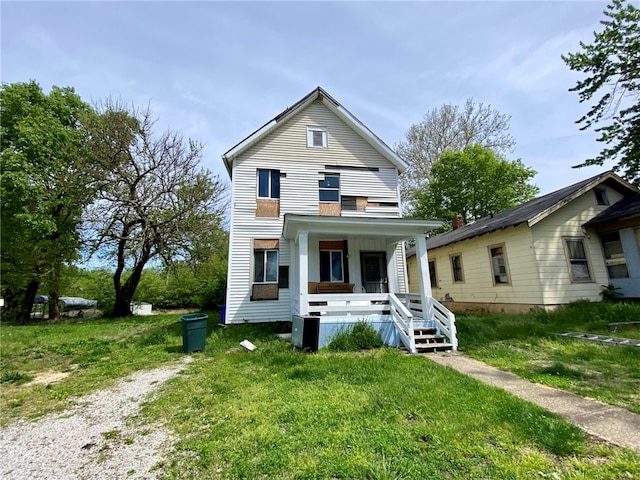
(346, 269)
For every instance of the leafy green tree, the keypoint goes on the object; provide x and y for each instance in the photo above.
(612, 63)
(449, 128)
(45, 182)
(473, 183)
(154, 200)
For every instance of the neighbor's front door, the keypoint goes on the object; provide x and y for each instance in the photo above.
(374, 271)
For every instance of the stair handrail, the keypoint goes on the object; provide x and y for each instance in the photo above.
(403, 321)
(446, 321)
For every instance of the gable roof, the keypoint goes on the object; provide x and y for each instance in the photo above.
(530, 212)
(619, 211)
(336, 108)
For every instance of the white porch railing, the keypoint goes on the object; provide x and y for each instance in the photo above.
(348, 304)
(403, 320)
(445, 320)
(341, 305)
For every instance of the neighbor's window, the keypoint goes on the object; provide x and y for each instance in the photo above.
(578, 262)
(265, 266)
(614, 255)
(331, 268)
(268, 183)
(317, 137)
(601, 196)
(456, 268)
(499, 265)
(432, 274)
(329, 188)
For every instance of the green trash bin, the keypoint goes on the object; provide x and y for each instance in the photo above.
(194, 332)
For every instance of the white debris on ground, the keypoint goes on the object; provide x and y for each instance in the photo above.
(98, 438)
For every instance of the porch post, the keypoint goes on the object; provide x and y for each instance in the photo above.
(303, 272)
(423, 276)
(392, 269)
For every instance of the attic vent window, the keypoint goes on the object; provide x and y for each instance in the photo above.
(317, 137)
(601, 196)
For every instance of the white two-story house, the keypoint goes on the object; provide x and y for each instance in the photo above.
(316, 234)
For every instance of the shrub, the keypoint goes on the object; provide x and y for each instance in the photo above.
(361, 336)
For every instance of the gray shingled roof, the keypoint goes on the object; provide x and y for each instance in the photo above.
(625, 208)
(519, 214)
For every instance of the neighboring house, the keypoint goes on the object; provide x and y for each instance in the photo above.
(316, 235)
(556, 249)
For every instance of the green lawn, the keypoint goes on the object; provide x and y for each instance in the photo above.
(528, 346)
(279, 413)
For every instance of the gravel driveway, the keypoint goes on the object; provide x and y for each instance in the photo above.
(98, 438)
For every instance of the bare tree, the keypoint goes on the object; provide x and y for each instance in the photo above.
(154, 198)
(454, 129)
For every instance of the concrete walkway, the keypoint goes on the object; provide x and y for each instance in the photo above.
(613, 424)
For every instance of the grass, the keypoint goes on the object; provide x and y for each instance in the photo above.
(280, 413)
(93, 352)
(528, 346)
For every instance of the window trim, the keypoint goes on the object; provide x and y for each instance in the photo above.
(272, 173)
(311, 129)
(453, 273)
(490, 248)
(565, 243)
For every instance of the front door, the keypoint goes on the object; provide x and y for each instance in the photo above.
(374, 271)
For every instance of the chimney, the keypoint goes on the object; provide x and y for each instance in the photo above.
(458, 221)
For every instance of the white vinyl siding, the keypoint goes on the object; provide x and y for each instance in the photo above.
(300, 167)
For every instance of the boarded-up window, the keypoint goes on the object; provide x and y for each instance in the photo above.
(265, 269)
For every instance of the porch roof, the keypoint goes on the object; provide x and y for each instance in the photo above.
(393, 230)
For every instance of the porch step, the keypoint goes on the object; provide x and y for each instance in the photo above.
(433, 347)
(427, 340)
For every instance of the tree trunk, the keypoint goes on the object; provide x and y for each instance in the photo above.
(54, 306)
(124, 293)
(23, 312)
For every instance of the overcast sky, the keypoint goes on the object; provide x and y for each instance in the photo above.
(217, 71)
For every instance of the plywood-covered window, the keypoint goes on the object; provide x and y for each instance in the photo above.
(577, 258)
(499, 268)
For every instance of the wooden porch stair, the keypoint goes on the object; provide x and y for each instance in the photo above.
(428, 340)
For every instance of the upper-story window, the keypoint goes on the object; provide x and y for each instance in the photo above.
(329, 188)
(268, 183)
(317, 137)
(601, 196)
